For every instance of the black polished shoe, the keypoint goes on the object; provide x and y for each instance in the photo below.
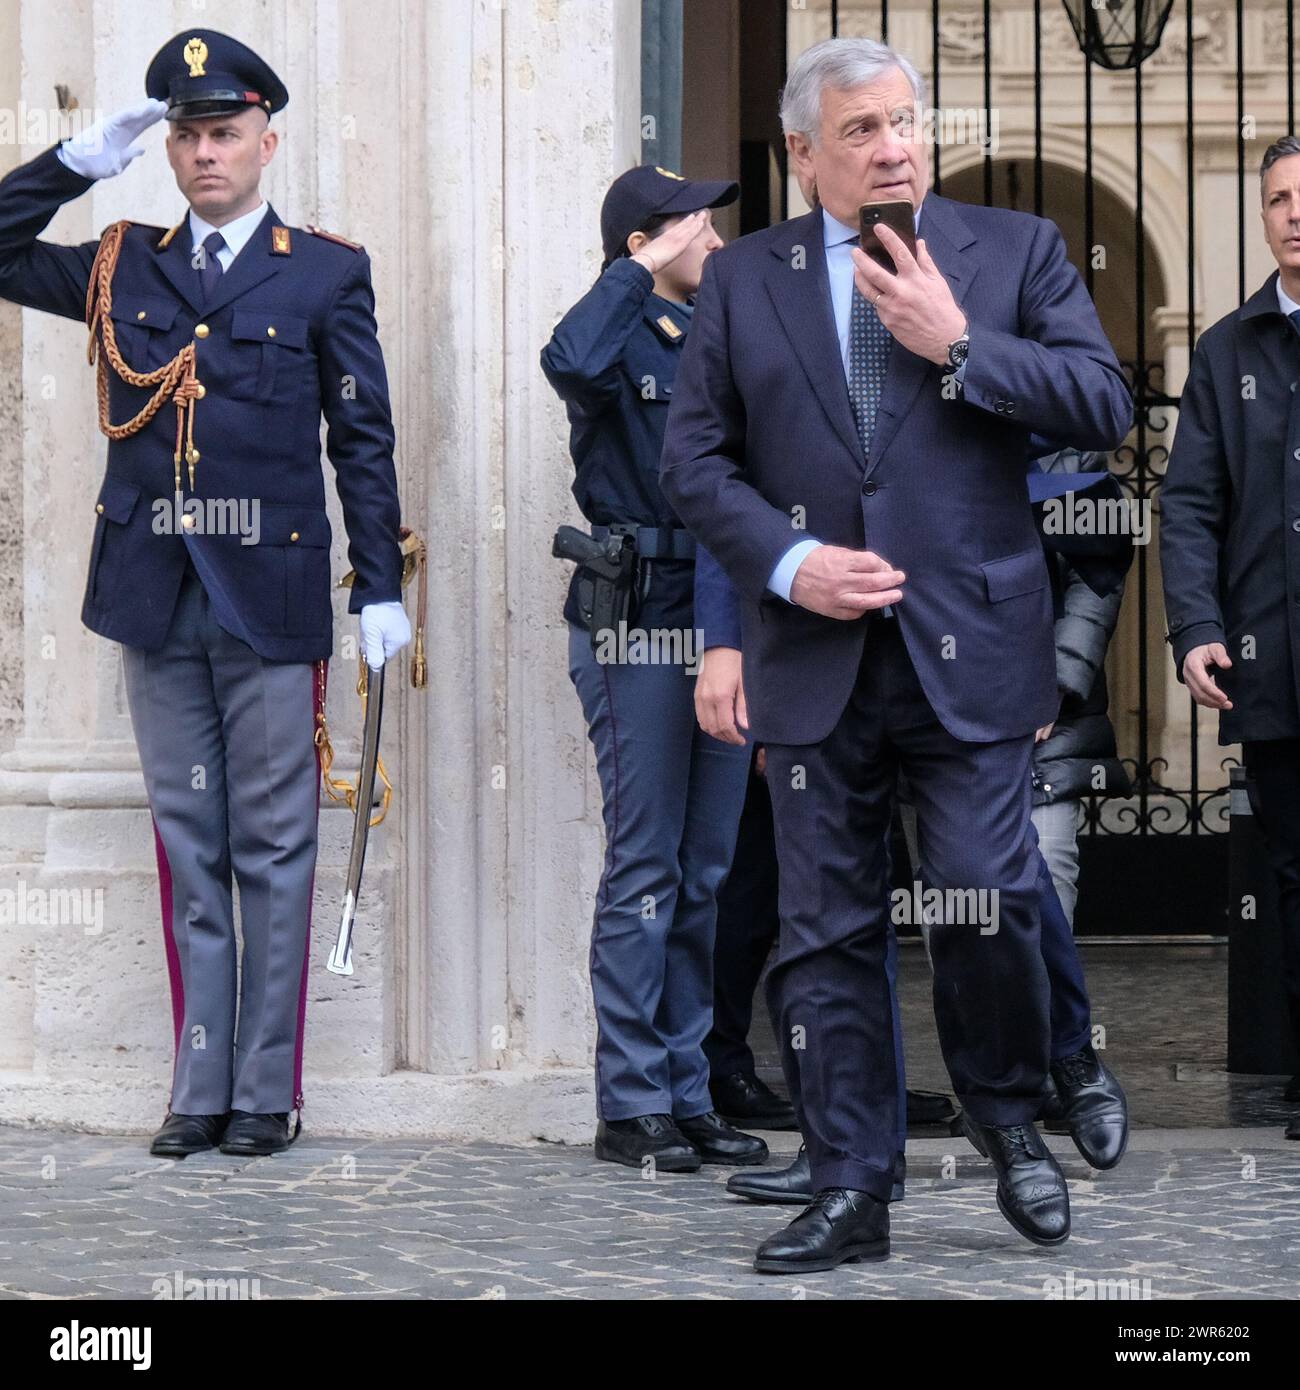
(838, 1225)
(187, 1134)
(1094, 1106)
(654, 1137)
(742, 1099)
(792, 1186)
(717, 1142)
(251, 1135)
(1293, 1129)
(1051, 1111)
(1032, 1194)
(928, 1108)
(1292, 1091)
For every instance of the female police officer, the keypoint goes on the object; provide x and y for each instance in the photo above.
(672, 794)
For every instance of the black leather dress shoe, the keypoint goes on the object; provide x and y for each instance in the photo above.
(717, 1142)
(1032, 1194)
(655, 1137)
(187, 1134)
(1293, 1129)
(1094, 1107)
(838, 1225)
(792, 1186)
(928, 1108)
(1292, 1091)
(742, 1099)
(250, 1134)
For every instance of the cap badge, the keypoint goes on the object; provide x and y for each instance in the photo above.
(668, 174)
(196, 54)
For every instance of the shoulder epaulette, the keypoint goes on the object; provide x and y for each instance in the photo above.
(334, 236)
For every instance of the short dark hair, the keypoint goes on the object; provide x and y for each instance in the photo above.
(1279, 149)
(652, 226)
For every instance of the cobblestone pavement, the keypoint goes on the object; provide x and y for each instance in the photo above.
(1195, 1213)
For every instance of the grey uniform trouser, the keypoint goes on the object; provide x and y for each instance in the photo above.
(226, 742)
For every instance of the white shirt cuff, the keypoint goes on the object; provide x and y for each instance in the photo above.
(782, 578)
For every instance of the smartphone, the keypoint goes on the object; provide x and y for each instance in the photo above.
(899, 216)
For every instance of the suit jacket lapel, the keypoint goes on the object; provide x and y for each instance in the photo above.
(174, 262)
(801, 293)
(946, 236)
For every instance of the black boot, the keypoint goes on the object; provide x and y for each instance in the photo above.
(928, 1108)
(742, 1099)
(1094, 1106)
(250, 1135)
(1032, 1194)
(838, 1225)
(717, 1142)
(187, 1134)
(655, 1137)
(792, 1186)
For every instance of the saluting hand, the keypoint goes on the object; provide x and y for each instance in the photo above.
(916, 305)
(671, 242)
(841, 583)
(108, 146)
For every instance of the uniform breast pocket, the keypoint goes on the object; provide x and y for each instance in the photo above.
(272, 359)
(142, 326)
(653, 382)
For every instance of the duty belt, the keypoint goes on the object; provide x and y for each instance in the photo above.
(657, 542)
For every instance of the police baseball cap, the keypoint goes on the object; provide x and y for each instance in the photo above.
(652, 191)
(203, 73)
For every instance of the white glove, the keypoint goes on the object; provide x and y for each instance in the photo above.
(108, 146)
(385, 630)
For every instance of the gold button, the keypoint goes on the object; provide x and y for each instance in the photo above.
(141, 314)
(99, 507)
(187, 521)
(293, 535)
(192, 455)
(200, 390)
(202, 331)
(270, 332)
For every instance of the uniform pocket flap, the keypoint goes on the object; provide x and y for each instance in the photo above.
(281, 525)
(1015, 574)
(117, 499)
(143, 309)
(267, 326)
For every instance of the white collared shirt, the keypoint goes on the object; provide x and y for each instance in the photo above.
(236, 233)
(1284, 301)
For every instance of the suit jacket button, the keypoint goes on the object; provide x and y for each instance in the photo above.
(270, 332)
(202, 330)
(293, 535)
(868, 489)
(142, 316)
(1295, 525)
(99, 507)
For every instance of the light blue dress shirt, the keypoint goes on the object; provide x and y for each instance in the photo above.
(838, 239)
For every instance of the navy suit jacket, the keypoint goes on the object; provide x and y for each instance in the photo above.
(761, 451)
(257, 427)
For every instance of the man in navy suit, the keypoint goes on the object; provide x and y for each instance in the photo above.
(850, 443)
(221, 344)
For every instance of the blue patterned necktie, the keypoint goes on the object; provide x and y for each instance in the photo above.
(209, 265)
(869, 345)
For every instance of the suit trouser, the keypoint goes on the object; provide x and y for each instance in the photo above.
(226, 743)
(1274, 768)
(748, 925)
(1071, 1007)
(831, 805)
(672, 798)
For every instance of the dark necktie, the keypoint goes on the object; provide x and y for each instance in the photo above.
(209, 266)
(1294, 316)
(869, 344)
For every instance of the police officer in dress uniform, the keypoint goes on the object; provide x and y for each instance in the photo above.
(220, 343)
(672, 795)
